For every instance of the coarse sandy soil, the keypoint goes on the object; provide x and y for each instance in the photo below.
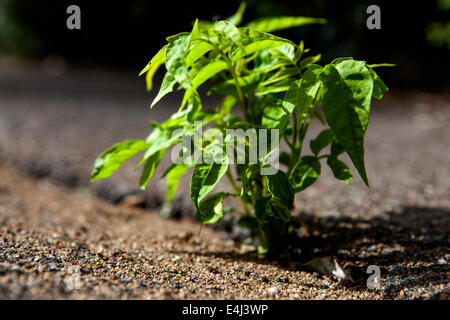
(61, 237)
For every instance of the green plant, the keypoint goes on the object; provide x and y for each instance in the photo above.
(277, 88)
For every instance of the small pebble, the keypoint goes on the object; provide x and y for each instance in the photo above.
(273, 290)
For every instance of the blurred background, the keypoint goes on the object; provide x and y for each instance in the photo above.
(66, 95)
(415, 36)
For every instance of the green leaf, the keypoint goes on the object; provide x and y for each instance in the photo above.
(149, 168)
(339, 60)
(340, 170)
(249, 36)
(291, 96)
(304, 173)
(110, 160)
(228, 31)
(248, 84)
(347, 94)
(303, 92)
(157, 140)
(195, 33)
(283, 75)
(166, 87)
(285, 52)
(377, 65)
(173, 179)
(307, 91)
(299, 51)
(256, 46)
(379, 87)
(285, 158)
(162, 137)
(279, 209)
(247, 180)
(279, 187)
(211, 209)
(321, 141)
(236, 18)
(204, 25)
(265, 60)
(206, 116)
(252, 41)
(336, 148)
(153, 66)
(276, 117)
(197, 51)
(175, 58)
(194, 104)
(208, 71)
(304, 63)
(279, 23)
(174, 37)
(280, 86)
(227, 104)
(205, 177)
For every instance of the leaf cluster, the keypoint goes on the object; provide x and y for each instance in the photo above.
(277, 85)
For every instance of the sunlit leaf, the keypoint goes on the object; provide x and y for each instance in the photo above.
(347, 94)
(305, 173)
(208, 71)
(377, 65)
(205, 177)
(307, 91)
(236, 18)
(379, 87)
(271, 24)
(149, 168)
(162, 138)
(175, 58)
(198, 50)
(153, 66)
(166, 87)
(321, 141)
(211, 209)
(248, 84)
(230, 31)
(257, 46)
(285, 52)
(304, 63)
(340, 170)
(110, 160)
(173, 178)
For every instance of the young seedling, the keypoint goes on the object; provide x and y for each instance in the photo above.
(278, 90)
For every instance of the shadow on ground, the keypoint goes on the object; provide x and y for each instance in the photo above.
(410, 247)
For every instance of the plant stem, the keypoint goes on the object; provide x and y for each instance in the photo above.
(302, 136)
(236, 189)
(238, 87)
(294, 139)
(288, 142)
(235, 77)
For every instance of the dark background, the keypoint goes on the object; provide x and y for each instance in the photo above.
(127, 34)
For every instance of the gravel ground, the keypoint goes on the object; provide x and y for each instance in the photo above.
(56, 244)
(52, 128)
